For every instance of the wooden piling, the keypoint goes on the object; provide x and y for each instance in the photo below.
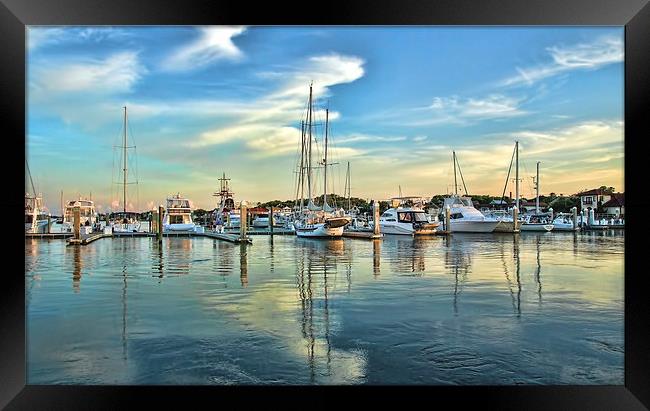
(160, 224)
(447, 219)
(574, 211)
(271, 220)
(244, 222)
(49, 224)
(551, 211)
(375, 216)
(76, 212)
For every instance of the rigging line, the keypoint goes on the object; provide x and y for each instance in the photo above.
(461, 176)
(30, 176)
(508, 176)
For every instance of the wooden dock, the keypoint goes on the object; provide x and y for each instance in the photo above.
(87, 238)
(44, 236)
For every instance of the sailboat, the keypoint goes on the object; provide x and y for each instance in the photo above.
(312, 220)
(536, 221)
(225, 214)
(126, 221)
(35, 216)
(506, 222)
(464, 217)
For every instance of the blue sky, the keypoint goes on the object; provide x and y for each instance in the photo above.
(207, 100)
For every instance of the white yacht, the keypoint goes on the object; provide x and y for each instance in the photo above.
(564, 222)
(178, 215)
(406, 221)
(464, 218)
(234, 220)
(87, 214)
(536, 222)
(261, 221)
(35, 217)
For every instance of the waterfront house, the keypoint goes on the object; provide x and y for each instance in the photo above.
(615, 205)
(591, 199)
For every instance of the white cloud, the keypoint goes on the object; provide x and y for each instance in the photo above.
(116, 73)
(601, 52)
(214, 43)
(490, 107)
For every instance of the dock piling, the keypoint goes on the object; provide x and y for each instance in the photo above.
(375, 217)
(243, 223)
(515, 218)
(448, 219)
(76, 212)
(49, 224)
(551, 211)
(159, 226)
(574, 211)
(271, 220)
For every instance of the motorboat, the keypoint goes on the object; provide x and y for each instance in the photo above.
(564, 222)
(35, 216)
(464, 218)
(536, 222)
(87, 214)
(406, 221)
(261, 221)
(178, 214)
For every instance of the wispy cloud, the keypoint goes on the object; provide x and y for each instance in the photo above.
(42, 36)
(117, 73)
(490, 107)
(213, 44)
(601, 52)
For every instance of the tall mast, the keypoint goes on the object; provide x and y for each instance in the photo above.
(349, 187)
(309, 203)
(62, 210)
(537, 193)
(325, 161)
(302, 165)
(517, 174)
(455, 181)
(125, 162)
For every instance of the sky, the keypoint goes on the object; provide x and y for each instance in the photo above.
(206, 100)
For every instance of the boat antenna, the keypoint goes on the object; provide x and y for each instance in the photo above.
(537, 190)
(517, 174)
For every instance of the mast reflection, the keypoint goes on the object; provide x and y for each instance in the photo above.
(458, 261)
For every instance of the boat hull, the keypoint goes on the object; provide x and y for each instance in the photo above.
(475, 226)
(536, 227)
(320, 230)
(505, 227)
(564, 227)
(179, 227)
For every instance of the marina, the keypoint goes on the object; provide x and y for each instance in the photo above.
(227, 240)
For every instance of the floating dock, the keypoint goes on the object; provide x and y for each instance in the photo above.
(47, 235)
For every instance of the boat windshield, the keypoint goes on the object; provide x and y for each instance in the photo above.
(420, 217)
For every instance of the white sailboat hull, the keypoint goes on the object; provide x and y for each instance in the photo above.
(472, 226)
(319, 230)
(564, 227)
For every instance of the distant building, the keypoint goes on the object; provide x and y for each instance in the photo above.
(591, 198)
(529, 205)
(615, 205)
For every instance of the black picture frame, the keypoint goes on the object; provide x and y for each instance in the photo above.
(633, 14)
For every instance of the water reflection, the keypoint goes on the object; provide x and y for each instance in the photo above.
(243, 264)
(376, 258)
(76, 273)
(458, 261)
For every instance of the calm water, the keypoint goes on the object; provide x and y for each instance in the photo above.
(541, 308)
